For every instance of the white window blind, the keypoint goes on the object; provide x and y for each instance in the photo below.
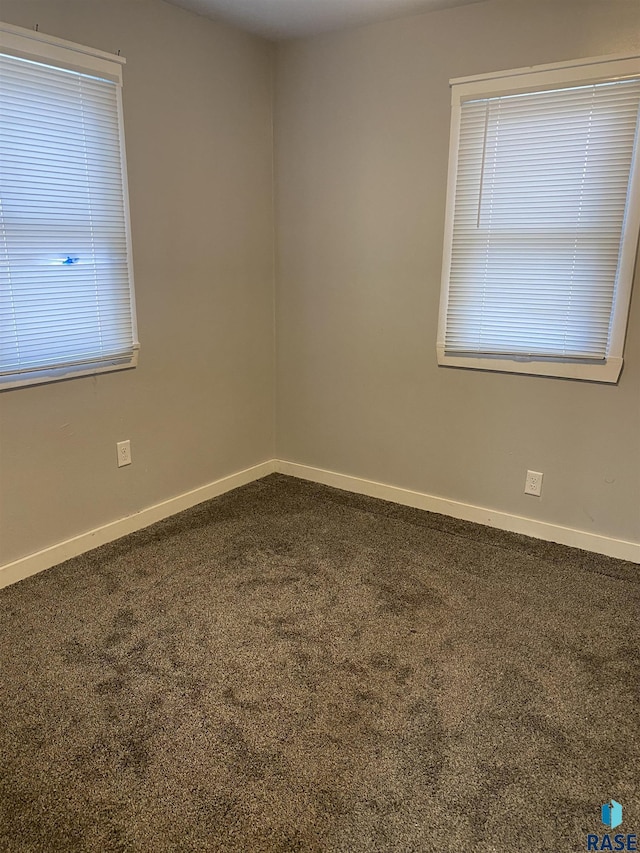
(66, 299)
(541, 197)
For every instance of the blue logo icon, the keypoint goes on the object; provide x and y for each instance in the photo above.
(612, 814)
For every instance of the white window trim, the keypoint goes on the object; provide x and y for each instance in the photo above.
(40, 47)
(559, 75)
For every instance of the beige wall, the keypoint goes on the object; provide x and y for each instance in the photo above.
(362, 126)
(362, 139)
(198, 121)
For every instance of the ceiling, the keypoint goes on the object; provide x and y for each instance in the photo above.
(281, 19)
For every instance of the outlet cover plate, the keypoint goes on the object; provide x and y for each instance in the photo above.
(533, 483)
(124, 453)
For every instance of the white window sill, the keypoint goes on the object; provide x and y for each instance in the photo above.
(40, 377)
(601, 371)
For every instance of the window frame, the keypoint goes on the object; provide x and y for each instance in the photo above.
(60, 53)
(519, 81)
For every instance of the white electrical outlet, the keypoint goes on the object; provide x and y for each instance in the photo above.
(124, 453)
(533, 483)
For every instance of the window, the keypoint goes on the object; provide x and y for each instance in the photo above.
(543, 214)
(66, 285)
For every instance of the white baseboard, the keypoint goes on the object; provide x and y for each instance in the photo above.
(619, 548)
(34, 563)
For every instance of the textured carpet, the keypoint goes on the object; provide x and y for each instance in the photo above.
(293, 668)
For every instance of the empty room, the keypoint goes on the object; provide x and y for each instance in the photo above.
(319, 426)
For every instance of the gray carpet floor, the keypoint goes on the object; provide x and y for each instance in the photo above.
(293, 668)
